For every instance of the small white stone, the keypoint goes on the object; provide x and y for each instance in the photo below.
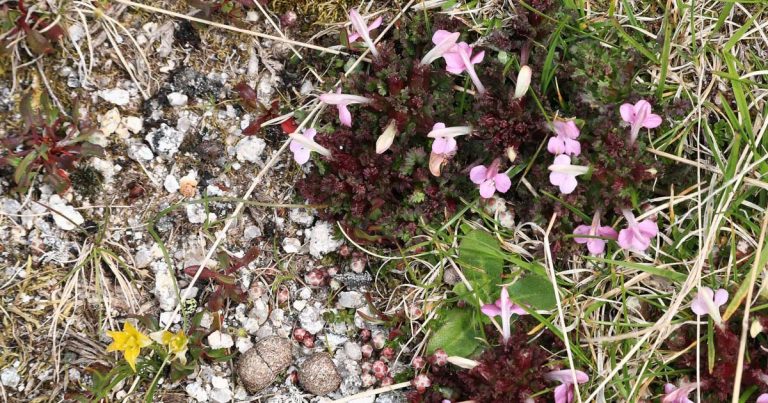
(252, 16)
(110, 121)
(214, 190)
(140, 152)
(243, 344)
(171, 184)
(196, 391)
(10, 377)
(353, 351)
(9, 206)
(219, 382)
(251, 232)
(165, 140)
(168, 318)
(301, 217)
(65, 216)
(250, 149)
(76, 32)
(306, 88)
(291, 245)
(221, 395)
(196, 213)
(277, 317)
(165, 289)
(311, 319)
(220, 340)
(117, 96)
(177, 99)
(206, 321)
(133, 124)
(142, 258)
(299, 304)
(351, 299)
(321, 240)
(260, 311)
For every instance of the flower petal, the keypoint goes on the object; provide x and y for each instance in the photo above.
(477, 174)
(762, 398)
(487, 189)
(453, 63)
(440, 35)
(555, 145)
(581, 230)
(478, 57)
(490, 310)
(721, 297)
(699, 305)
(568, 185)
(561, 394)
(607, 232)
(625, 238)
(345, 116)
(648, 228)
(439, 145)
(627, 113)
(652, 121)
(596, 246)
(572, 147)
(301, 156)
(503, 183)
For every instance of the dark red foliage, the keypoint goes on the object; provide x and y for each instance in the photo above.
(717, 386)
(227, 287)
(508, 373)
(46, 142)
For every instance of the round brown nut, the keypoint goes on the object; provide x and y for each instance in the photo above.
(276, 351)
(318, 374)
(254, 372)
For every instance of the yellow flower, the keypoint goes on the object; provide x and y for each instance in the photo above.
(130, 341)
(176, 343)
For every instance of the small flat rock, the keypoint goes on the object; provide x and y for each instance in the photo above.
(65, 216)
(322, 240)
(220, 340)
(117, 96)
(171, 184)
(177, 99)
(250, 149)
(318, 374)
(351, 299)
(253, 372)
(276, 352)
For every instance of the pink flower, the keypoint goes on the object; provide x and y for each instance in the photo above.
(341, 101)
(637, 236)
(353, 36)
(564, 174)
(674, 394)
(595, 246)
(358, 24)
(504, 308)
(565, 141)
(708, 302)
(489, 179)
(638, 116)
(459, 58)
(564, 393)
(444, 41)
(445, 137)
(762, 398)
(303, 144)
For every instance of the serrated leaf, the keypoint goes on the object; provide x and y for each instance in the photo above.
(533, 290)
(457, 336)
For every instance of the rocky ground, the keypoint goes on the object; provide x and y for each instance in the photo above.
(175, 166)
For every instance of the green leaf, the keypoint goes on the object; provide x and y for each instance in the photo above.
(482, 262)
(535, 291)
(457, 336)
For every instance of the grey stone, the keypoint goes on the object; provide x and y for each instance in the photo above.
(258, 367)
(318, 374)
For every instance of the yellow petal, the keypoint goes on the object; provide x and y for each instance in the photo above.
(131, 354)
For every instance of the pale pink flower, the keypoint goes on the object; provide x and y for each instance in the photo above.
(564, 174)
(504, 308)
(489, 179)
(341, 101)
(637, 236)
(444, 41)
(303, 144)
(565, 392)
(708, 302)
(459, 58)
(595, 246)
(565, 142)
(638, 116)
(673, 394)
(358, 24)
(762, 398)
(445, 137)
(353, 36)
